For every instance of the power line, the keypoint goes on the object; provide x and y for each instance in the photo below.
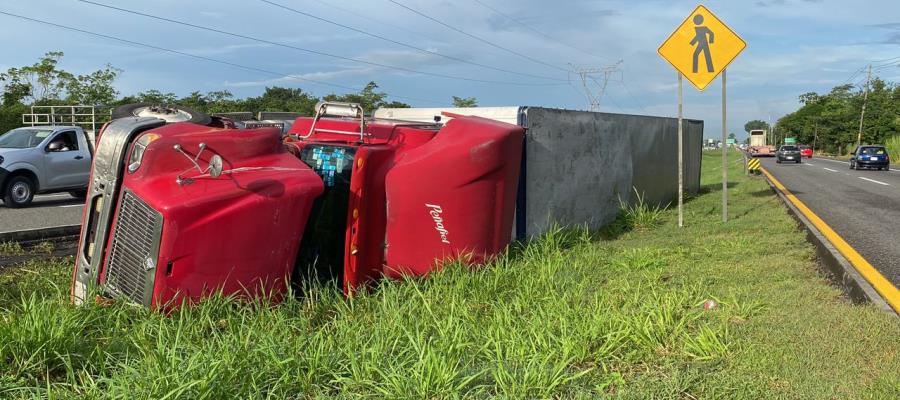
(199, 57)
(529, 27)
(478, 38)
(634, 98)
(853, 76)
(407, 45)
(312, 51)
(886, 59)
(370, 18)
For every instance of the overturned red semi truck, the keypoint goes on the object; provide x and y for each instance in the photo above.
(182, 205)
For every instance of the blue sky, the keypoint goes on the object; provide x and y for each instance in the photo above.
(794, 46)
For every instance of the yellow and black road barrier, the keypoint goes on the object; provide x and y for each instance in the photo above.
(753, 165)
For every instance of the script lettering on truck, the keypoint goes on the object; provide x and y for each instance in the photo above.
(436, 212)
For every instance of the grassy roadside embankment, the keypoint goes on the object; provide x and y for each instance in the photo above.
(569, 316)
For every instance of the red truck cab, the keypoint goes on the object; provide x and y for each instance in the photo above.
(177, 211)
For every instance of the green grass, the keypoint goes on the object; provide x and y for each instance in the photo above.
(15, 249)
(569, 316)
(11, 249)
(893, 147)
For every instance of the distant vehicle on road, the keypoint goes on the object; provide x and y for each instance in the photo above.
(806, 151)
(870, 157)
(788, 153)
(758, 146)
(43, 159)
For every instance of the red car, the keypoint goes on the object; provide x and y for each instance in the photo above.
(806, 151)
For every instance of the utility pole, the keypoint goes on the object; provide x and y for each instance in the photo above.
(589, 81)
(815, 135)
(862, 114)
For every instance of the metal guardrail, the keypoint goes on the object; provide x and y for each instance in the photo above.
(41, 234)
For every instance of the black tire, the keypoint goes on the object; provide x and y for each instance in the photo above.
(19, 192)
(78, 194)
(851, 164)
(129, 110)
(798, 161)
(887, 168)
(777, 161)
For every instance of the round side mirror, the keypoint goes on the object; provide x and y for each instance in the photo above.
(215, 166)
(54, 146)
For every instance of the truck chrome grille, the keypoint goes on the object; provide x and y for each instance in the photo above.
(131, 266)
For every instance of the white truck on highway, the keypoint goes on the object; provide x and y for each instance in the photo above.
(758, 147)
(43, 159)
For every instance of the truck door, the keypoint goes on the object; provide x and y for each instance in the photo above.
(66, 162)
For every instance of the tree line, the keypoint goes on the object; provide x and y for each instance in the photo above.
(831, 120)
(45, 83)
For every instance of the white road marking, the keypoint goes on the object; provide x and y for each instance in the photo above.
(71, 205)
(837, 161)
(811, 165)
(829, 169)
(874, 181)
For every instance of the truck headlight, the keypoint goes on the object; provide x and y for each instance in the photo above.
(137, 153)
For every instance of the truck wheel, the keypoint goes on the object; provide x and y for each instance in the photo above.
(171, 114)
(78, 194)
(19, 192)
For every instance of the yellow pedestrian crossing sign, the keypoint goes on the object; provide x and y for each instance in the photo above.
(701, 47)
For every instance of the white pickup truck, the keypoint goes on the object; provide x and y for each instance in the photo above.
(43, 159)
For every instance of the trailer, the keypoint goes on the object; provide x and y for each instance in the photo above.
(579, 167)
(758, 146)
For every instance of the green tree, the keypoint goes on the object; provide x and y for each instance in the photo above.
(368, 98)
(157, 97)
(283, 99)
(831, 120)
(45, 83)
(756, 124)
(37, 83)
(95, 88)
(462, 102)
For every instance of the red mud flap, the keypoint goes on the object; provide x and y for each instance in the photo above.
(453, 197)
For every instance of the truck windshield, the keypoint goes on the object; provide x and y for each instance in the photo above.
(23, 138)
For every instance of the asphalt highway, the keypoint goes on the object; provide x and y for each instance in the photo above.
(863, 207)
(46, 211)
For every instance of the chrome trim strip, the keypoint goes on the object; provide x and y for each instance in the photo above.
(108, 167)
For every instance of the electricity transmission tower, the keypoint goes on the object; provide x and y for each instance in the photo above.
(594, 81)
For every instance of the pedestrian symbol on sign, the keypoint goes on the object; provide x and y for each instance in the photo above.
(703, 39)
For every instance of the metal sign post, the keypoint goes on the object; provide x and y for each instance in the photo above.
(680, 155)
(700, 49)
(724, 156)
